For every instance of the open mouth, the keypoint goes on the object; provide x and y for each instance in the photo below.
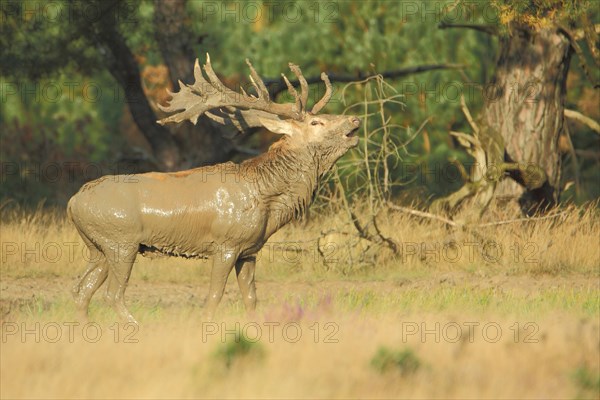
(352, 133)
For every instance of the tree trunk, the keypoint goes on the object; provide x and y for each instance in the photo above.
(206, 142)
(124, 68)
(122, 65)
(525, 104)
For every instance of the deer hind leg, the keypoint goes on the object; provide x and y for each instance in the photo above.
(223, 263)
(244, 268)
(94, 276)
(120, 264)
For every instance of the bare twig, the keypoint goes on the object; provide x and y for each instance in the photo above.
(359, 228)
(577, 116)
(511, 221)
(278, 85)
(389, 241)
(423, 214)
(489, 29)
(454, 224)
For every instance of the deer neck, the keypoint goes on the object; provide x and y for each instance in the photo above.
(286, 178)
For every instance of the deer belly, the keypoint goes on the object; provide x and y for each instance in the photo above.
(198, 233)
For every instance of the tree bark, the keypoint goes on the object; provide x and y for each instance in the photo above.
(122, 65)
(525, 104)
(124, 68)
(206, 142)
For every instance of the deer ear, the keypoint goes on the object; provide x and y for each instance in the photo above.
(277, 125)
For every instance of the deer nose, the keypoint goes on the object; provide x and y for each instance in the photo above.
(355, 121)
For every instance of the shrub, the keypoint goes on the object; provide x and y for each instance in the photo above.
(405, 361)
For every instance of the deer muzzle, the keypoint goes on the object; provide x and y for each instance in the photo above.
(355, 125)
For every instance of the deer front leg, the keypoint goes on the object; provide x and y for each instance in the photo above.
(222, 265)
(244, 268)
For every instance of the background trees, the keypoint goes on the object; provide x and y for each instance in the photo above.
(81, 80)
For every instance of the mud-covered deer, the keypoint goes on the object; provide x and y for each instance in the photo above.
(224, 212)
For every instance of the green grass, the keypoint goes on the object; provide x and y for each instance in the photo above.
(372, 301)
(237, 348)
(403, 361)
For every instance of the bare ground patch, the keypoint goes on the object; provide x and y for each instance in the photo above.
(18, 295)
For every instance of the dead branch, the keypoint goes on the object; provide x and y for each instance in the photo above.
(582, 60)
(389, 241)
(574, 162)
(590, 32)
(454, 224)
(362, 233)
(278, 85)
(460, 167)
(580, 33)
(512, 221)
(489, 29)
(465, 110)
(588, 154)
(577, 116)
(423, 214)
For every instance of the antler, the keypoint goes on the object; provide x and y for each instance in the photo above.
(225, 106)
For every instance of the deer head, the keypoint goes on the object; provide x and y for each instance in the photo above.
(334, 134)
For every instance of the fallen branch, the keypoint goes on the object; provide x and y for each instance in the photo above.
(390, 242)
(423, 214)
(364, 234)
(577, 116)
(454, 224)
(511, 221)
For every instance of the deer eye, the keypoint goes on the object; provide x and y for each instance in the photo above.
(315, 122)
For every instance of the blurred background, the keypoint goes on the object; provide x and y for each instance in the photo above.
(80, 83)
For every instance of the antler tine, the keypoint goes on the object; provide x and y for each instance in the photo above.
(303, 84)
(208, 94)
(214, 79)
(294, 93)
(259, 85)
(200, 82)
(325, 99)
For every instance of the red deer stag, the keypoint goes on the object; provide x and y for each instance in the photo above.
(224, 212)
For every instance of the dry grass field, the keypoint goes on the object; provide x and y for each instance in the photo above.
(508, 311)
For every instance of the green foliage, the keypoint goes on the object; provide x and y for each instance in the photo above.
(238, 348)
(541, 13)
(588, 382)
(41, 51)
(39, 39)
(403, 361)
(53, 130)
